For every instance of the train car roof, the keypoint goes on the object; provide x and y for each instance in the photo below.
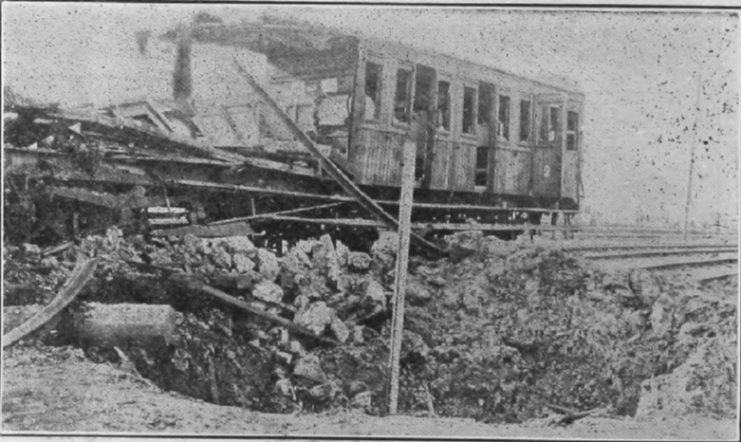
(303, 49)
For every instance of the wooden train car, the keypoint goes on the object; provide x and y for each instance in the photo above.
(485, 135)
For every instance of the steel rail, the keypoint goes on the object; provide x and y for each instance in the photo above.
(695, 263)
(661, 252)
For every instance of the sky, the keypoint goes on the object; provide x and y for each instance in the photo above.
(641, 72)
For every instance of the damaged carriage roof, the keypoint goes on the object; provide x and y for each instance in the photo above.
(306, 49)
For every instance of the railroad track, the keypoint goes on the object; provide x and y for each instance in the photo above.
(700, 262)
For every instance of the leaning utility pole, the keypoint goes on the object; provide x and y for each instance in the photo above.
(692, 152)
(402, 261)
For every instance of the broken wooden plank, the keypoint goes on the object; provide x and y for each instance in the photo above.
(134, 199)
(168, 221)
(241, 283)
(208, 231)
(352, 222)
(332, 169)
(164, 211)
(52, 250)
(169, 159)
(570, 415)
(81, 274)
(258, 190)
(130, 128)
(199, 286)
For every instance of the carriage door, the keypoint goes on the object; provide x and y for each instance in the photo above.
(571, 154)
(423, 128)
(548, 150)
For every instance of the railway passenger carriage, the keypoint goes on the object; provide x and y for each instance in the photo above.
(485, 135)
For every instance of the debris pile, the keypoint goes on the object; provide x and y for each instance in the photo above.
(505, 331)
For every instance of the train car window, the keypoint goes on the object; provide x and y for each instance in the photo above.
(482, 165)
(443, 105)
(554, 123)
(484, 105)
(503, 129)
(402, 98)
(373, 73)
(469, 110)
(525, 120)
(424, 82)
(572, 130)
(550, 129)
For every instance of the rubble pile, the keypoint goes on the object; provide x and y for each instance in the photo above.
(29, 277)
(501, 331)
(511, 336)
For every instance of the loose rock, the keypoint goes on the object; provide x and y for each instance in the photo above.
(309, 367)
(268, 291)
(269, 267)
(316, 317)
(359, 261)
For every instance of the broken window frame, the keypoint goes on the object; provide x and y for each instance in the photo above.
(572, 133)
(504, 119)
(377, 100)
(428, 95)
(473, 116)
(530, 118)
(409, 99)
(481, 169)
(441, 117)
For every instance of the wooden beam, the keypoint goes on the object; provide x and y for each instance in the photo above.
(236, 228)
(361, 222)
(356, 222)
(81, 274)
(263, 190)
(402, 261)
(199, 286)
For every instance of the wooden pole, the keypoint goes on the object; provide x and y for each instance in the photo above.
(692, 153)
(402, 260)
